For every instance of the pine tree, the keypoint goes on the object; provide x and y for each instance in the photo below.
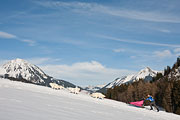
(178, 61)
(130, 93)
(176, 97)
(164, 88)
(167, 99)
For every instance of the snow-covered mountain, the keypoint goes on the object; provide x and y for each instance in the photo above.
(146, 73)
(20, 68)
(93, 88)
(24, 71)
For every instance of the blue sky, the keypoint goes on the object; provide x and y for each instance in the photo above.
(91, 42)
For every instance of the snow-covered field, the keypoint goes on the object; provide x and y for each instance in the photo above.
(22, 101)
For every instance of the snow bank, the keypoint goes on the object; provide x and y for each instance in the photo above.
(56, 86)
(22, 101)
(75, 90)
(97, 95)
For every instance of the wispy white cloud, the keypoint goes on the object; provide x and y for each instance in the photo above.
(29, 42)
(42, 60)
(177, 51)
(159, 29)
(119, 50)
(133, 57)
(45, 49)
(146, 16)
(85, 72)
(137, 42)
(72, 5)
(163, 54)
(7, 35)
(35, 60)
(152, 16)
(73, 42)
(165, 30)
(11, 36)
(38, 61)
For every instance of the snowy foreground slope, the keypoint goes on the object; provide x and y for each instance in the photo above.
(22, 101)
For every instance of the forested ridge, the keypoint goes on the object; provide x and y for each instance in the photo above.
(165, 88)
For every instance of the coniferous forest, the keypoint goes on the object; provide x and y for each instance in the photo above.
(165, 88)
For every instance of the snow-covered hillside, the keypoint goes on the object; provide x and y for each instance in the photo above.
(22, 101)
(21, 69)
(93, 88)
(175, 73)
(146, 74)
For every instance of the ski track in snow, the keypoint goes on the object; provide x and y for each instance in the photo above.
(22, 101)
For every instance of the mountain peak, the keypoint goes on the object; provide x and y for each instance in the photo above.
(19, 68)
(19, 60)
(16, 62)
(147, 73)
(146, 69)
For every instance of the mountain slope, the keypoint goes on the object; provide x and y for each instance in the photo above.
(164, 88)
(145, 73)
(92, 89)
(21, 70)
(22, 101)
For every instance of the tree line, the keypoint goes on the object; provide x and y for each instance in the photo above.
(165, 88)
